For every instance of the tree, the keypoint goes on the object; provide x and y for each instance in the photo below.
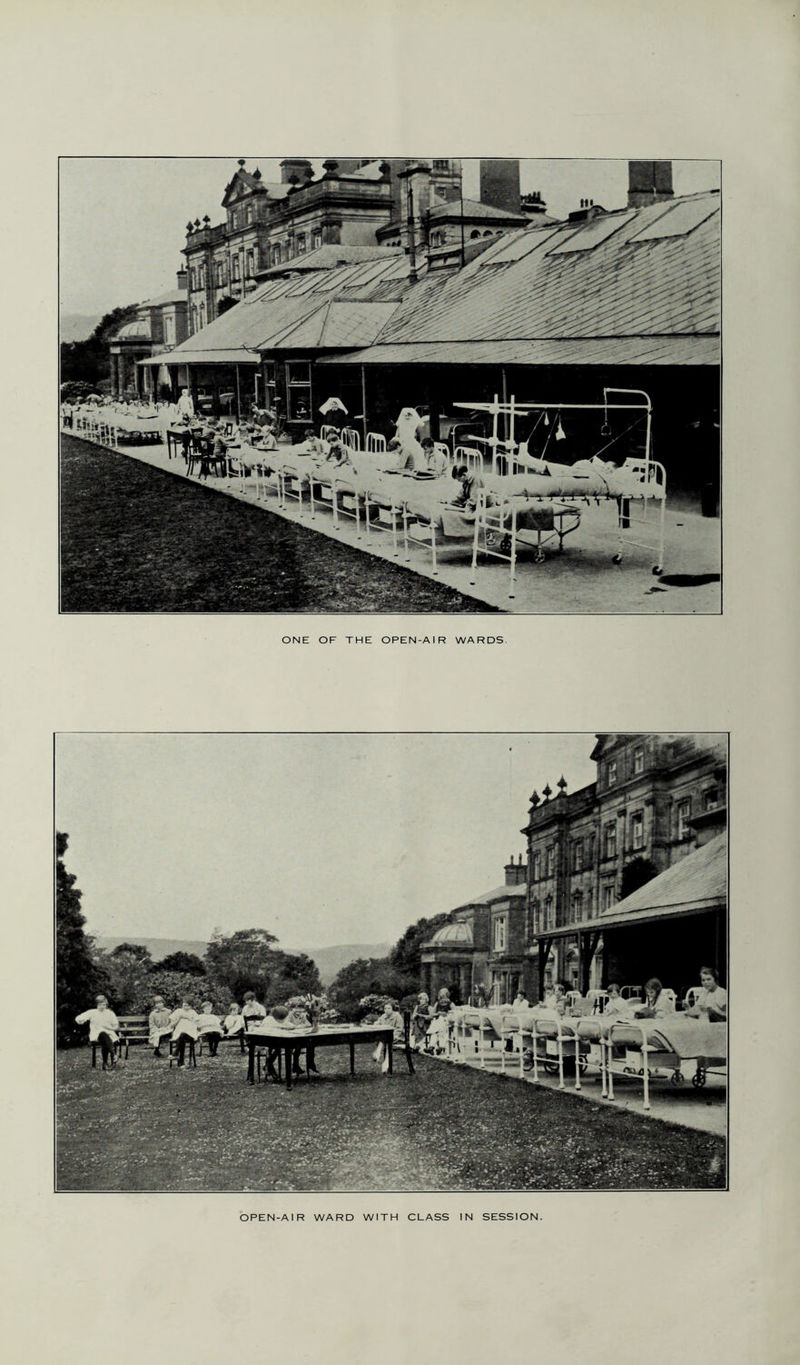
(242, 961)
(292, 974)
(78, 977)
(89, 360)
(363, 977)
(136, 950)
(405, 955)
(174, 987)
(127, 974)
(181, 962)
(638, 872)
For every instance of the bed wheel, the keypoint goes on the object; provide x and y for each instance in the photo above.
(699, 1077)
(539, 557)
(658, 569)
(617, 559)
(527, 1062)
(677, 1078)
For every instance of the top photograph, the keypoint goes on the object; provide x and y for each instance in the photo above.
(380, 385)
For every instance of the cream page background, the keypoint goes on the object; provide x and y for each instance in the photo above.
(606, 1277)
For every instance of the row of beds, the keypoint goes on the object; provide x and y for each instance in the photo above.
(511, 510)
(112, 426)
(522, 509)
(543, 1041)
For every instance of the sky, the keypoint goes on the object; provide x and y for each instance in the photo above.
(321, 839)
(122, 220)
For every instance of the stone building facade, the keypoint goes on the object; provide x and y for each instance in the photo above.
(356, 203)
(588, 848)
(160, 324)
(656, 799)
(482, 944)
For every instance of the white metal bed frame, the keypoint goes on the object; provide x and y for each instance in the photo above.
(495, 539)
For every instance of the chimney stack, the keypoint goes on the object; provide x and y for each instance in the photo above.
(499, 184)
(415, 201)
(649, 182)
(183, 278)
(294, 166)
(516, 873)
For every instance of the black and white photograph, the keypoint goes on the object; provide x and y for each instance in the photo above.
(367, 384)
(391, 963)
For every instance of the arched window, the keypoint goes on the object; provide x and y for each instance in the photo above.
(475, 233)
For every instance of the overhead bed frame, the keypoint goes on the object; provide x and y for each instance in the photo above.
(497, 532)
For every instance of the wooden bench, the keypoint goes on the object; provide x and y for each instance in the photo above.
(132, 1029)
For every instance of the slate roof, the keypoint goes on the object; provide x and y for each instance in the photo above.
(327, 257)
(697, 882)
(345, 307)
(172, 296)
(474, 209)
(690, 350)
(337, 324)
(620, 276)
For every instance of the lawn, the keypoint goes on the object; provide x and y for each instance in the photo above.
(137, 539)
(448, 1128)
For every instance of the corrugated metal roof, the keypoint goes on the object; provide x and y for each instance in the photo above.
(689, 350)
(618, 288)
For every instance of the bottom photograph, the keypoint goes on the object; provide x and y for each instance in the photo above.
(390, 962)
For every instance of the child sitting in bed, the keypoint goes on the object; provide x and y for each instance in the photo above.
(656, 1003)
(338, 455)
(615, 1007)
(471, 484)
(712, 1001)
(435, 461)
(312, 444)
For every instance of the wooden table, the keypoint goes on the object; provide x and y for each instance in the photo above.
(175, 437)
(280, 1040)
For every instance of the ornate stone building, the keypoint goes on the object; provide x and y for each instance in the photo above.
(589, 849)
(579, 906)
(353, 203)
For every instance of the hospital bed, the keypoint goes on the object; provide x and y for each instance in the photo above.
(663, 1045)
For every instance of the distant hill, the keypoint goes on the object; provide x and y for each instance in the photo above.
(157, 947)
(329, 960)
(78, 326)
